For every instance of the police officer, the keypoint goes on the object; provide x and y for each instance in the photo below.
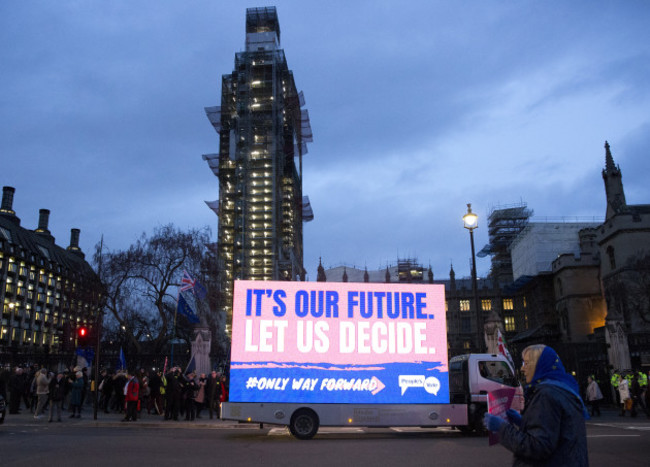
(615, 380)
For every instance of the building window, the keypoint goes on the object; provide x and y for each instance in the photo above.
(508, 304)
(510, 323)
(560, 289)
(465, 325)
(467, 345)
(486, 304)
(464, 305)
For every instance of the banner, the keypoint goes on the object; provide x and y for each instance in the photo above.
(498, 402)
(339, 343)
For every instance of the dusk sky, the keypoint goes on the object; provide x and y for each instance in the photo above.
(417, 108)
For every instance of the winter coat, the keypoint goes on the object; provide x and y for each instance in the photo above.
(624, 390)
(593, 392)
(57, 389)
(77, 390)
(132, 390)
(552, 431)
(42, 383)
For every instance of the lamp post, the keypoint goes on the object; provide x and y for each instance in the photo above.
(470, 222)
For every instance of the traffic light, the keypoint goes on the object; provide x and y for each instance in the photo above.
(83, 336)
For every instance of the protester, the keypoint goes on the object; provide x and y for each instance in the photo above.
(119, 381)
(213, 388)
(16, 387)
(624, 393)
(155, 395)
(594, 396)
(224, 389)
(551, 431)
(42, 385)
(131, 397)
(76, 397)
(200, 398)
(143, 379)
(172, 394)
(57, 393)
(189, 395)
(106, 390)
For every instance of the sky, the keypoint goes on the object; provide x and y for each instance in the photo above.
(417, 108)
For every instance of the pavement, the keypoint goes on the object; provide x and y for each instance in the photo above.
(610, 417)
(26, 419)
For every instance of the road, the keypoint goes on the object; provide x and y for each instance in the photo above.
(612, 441)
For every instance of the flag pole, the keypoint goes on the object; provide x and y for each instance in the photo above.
(171, 363)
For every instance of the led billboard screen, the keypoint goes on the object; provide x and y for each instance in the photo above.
(319, 342)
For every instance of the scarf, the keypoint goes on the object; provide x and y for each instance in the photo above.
(550, 371)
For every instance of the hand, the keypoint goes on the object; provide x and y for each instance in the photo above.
(514, 417)
(492, 423)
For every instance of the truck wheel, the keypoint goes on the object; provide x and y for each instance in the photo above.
(479, 428)
(304, 424)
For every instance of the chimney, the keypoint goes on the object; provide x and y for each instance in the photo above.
(6, 209)
(74, 243)
(43, 221)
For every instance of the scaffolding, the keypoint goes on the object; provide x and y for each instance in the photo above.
(263, 131)
(504, 224)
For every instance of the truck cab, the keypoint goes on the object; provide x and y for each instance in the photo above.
(472, 377)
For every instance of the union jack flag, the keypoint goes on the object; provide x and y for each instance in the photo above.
(187, 282)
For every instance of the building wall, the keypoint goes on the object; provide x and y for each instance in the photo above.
(540, 243)
(580, 301)
(46, 291)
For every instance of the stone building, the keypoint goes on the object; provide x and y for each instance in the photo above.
(624, 245)
(47, 291)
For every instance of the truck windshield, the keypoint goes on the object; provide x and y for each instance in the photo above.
(498, 372)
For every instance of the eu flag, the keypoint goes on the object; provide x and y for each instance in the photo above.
(185, 310)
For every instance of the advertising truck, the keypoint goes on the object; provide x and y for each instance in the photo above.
(311, 354)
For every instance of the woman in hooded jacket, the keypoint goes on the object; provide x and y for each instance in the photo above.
(551, 430)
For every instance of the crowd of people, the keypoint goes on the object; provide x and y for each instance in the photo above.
(173, 395)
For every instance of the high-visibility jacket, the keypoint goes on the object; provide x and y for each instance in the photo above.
(616, 378)
(643, 379)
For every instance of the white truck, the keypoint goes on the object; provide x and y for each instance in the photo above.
(307, 355)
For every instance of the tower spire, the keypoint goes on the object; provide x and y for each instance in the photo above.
(613, 185)
(609, 160)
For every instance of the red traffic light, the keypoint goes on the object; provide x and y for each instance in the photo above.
(83, 332)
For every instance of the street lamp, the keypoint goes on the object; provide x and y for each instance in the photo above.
(470, 222)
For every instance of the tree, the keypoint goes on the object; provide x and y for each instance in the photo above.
(142, 284)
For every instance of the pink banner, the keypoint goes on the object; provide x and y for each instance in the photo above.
(498, 402)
